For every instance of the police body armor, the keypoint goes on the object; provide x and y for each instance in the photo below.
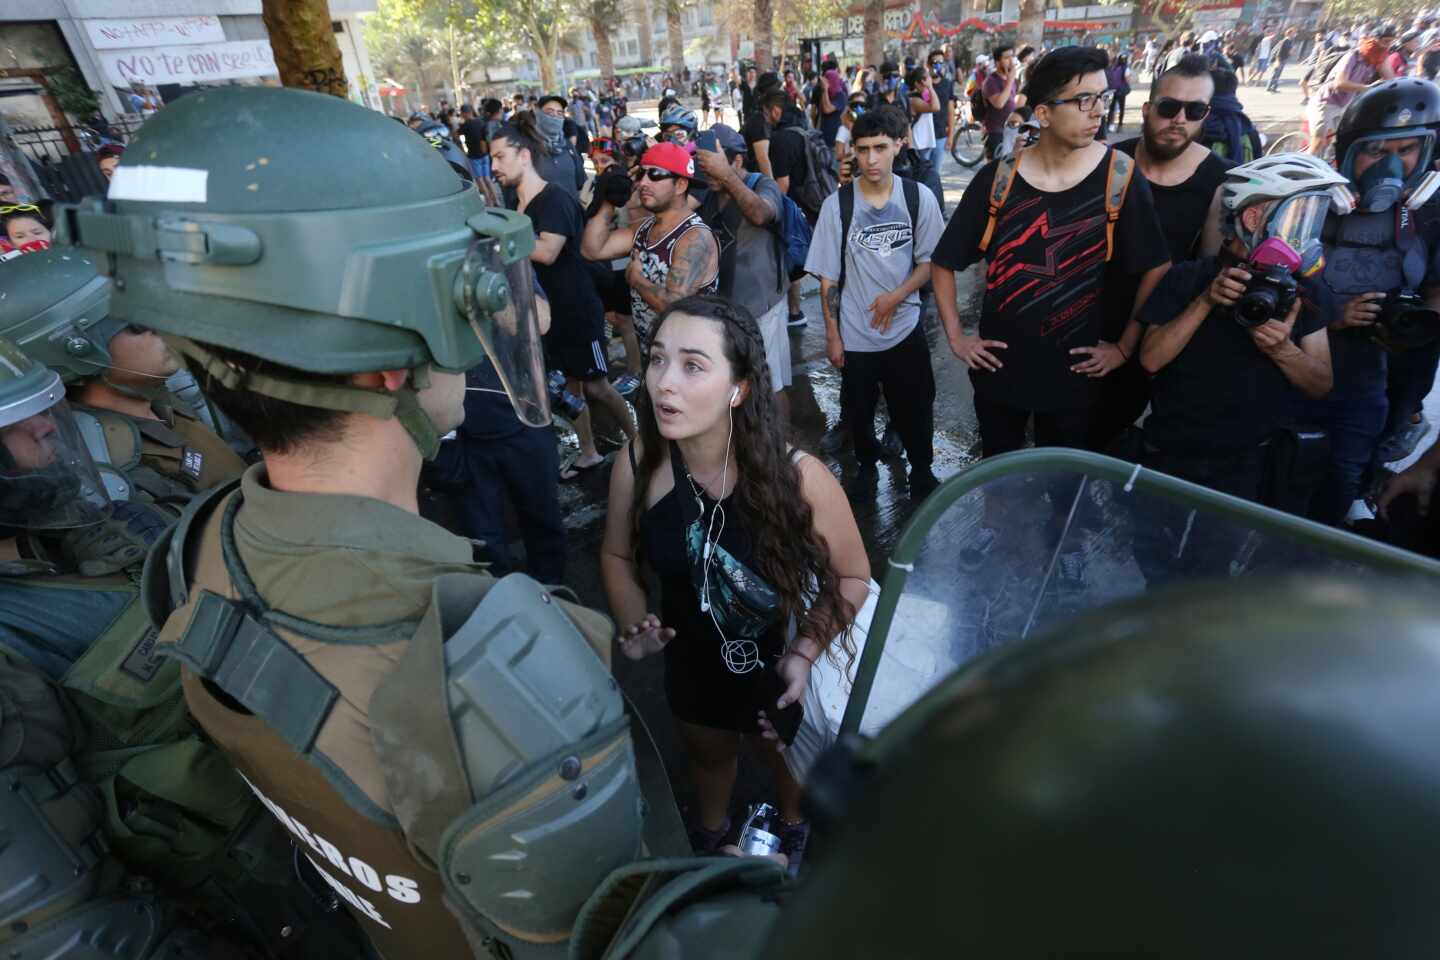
(65, 896)
(1382, 251)
(171, 459)
(463, 783)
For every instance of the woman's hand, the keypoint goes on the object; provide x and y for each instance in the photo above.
(794, 669)
(639, 640)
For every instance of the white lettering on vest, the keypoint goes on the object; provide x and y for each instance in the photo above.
(348, 895)
(400, 889)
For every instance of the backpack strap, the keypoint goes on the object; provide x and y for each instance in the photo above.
(847, 214)
(1005, 170)
(1117, 182)
(912, 205)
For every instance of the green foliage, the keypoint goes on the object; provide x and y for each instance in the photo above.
(71, 92)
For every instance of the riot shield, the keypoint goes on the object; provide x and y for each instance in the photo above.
(1027, 539)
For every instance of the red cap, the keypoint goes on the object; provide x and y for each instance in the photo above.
(672, 157)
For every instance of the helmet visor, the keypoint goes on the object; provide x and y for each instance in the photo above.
(47, 478)
(500, 308)
(1415, 155)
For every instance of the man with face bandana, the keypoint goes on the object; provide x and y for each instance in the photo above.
(1384, 146)
(1222, 388)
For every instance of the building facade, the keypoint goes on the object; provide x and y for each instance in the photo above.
(131, 51)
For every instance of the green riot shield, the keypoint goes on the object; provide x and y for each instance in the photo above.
(1025, 540)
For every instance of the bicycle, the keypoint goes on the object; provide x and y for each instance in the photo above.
(967, 142)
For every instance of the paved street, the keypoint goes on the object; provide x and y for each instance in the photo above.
(814, 398)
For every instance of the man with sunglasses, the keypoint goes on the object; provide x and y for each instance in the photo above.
(1066, 222)
(1184, 179)
(672, 252)
(1384, 146)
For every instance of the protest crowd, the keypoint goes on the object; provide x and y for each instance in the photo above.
(226, 403)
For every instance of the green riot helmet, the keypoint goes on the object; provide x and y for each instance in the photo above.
(47, 478)
(56, 309)
(228, 225)
(1187, 773)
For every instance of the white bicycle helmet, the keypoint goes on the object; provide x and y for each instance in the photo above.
(1284, 175)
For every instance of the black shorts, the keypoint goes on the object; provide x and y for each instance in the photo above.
(577, 349)
(614, 290)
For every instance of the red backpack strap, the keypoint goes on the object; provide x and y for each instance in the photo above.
(1005, 171)
(1117, 181)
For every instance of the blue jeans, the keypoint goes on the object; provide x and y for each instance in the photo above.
(937, 153)
(1355, 423)
(479, 167)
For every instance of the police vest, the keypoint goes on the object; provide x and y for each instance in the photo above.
(463, 783)
(168, 461)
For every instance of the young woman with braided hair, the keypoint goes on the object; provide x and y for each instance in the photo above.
(760, 564)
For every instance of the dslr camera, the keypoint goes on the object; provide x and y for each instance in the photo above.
(1406, 322)
(1272, 289)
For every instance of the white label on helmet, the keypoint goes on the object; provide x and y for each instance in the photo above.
(159, 184)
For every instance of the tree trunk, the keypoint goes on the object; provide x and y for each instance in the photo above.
(422, 86)
(547, 69)
(306, 54)
(874, 31)
(1032, 23)
(646, 29)
(600, 30)
(763, 28)
(677, 42)
(455, 77)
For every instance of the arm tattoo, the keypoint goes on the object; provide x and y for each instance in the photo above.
(832, 302)
(695, 265)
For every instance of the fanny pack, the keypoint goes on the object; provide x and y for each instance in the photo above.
(743, 604)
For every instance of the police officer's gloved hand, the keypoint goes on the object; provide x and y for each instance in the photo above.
(116, 542)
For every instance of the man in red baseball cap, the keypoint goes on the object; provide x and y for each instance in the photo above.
(672, 235)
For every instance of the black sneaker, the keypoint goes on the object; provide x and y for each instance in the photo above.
(793, 839)
(891, 443)
(705, 842)
(796, 321)
(922, 484)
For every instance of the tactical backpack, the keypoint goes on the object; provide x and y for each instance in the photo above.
(1117, 182)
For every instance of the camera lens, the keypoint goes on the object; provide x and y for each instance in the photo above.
(1255, 307)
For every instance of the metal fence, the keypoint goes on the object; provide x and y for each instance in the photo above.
(68, 173)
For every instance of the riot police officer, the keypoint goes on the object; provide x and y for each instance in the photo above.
(1379, 263)
(79, 802)
(448, 751)
(57, 309)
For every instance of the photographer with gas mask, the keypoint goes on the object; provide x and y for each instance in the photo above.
(1232, 342)
(1384, 270)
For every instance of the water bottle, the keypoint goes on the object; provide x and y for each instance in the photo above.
(760, 835)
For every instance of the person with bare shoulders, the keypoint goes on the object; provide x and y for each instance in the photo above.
(760, 564)
(673, 254)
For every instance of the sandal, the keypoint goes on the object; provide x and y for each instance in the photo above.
(577, 470)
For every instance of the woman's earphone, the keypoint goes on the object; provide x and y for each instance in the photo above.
(734, 396)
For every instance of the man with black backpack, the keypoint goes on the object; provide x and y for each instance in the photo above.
(871, 251)
(803, 166)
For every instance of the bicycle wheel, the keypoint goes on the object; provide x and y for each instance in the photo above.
(1293, 142)
(968, 147)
